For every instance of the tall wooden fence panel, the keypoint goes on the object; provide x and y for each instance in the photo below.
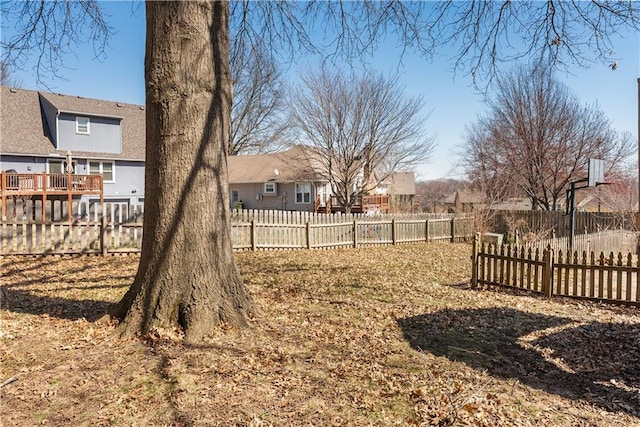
(601, 241)
(557, 221)
(612, 278)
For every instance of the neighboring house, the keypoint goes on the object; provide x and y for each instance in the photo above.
(464, 201)
(513, 204)
(286, 181)
(403, 191)
(38, 131)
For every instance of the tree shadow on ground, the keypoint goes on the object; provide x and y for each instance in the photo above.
(38, 286)
(19, 301)
(594, 362)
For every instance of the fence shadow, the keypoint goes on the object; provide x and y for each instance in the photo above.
(594, 362)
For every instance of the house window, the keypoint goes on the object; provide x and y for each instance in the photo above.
(82, 125)
(105, 169)
(303, 192)
(270, 189)
(56, 166)
(235, 197)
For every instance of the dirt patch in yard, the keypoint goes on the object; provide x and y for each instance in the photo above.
(373, 336)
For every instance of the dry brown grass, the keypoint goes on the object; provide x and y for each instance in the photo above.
(376, 336)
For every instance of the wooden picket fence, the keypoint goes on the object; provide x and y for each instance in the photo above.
(577, 275)
(108, 236)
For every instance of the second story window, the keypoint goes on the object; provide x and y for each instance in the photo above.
(83, 125)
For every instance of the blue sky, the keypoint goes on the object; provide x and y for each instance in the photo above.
(452, 102)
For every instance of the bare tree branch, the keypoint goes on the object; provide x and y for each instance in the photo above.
(51, 30)
(258, 122)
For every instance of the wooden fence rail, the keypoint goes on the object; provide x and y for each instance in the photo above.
(578, 275)
(23, 238)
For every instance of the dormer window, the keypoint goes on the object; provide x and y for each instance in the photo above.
(82, 125)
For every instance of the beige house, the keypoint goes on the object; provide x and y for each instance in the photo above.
(291, 180)
(402, 191)
(286, 181)
(464, 201)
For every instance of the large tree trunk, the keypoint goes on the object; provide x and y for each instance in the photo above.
(187, 275)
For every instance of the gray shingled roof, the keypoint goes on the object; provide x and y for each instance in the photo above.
(292, 165)
(23, 129)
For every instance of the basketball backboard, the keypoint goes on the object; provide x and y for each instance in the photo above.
(596, 172)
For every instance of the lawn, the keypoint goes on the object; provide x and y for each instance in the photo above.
(373, 336)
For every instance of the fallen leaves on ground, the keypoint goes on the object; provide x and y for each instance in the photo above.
(373, 336)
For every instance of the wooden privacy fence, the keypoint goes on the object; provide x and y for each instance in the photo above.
(578, 275)
(21, 238)
(601, 241)
(541, 221)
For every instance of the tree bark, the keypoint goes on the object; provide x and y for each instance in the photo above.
(187, 275)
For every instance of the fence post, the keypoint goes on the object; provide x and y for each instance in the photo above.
(308, 233)
(426, 231)
(547, 271)
(103, 235)
(253, 235)
(474, 262)
(393, 231)
(453, 230)
(355, 233)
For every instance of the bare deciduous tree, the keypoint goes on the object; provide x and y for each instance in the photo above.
(432, 193)
(538, 137)
(258, 121)
(187, 276)
(361, 129)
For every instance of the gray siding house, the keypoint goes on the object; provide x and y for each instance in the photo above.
(38, 130)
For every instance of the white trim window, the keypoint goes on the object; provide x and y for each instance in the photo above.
(104, 168)
(270, 189)
(235, 197)
(83, 125)
(303, 192)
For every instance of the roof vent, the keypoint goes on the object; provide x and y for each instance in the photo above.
(12, 90)
(118, 104)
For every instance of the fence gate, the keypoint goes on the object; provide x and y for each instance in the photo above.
(601, 278)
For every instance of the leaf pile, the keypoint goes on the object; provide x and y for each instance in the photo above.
(374, 336)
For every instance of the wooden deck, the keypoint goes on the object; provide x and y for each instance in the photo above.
(43, 185)
(372, 203)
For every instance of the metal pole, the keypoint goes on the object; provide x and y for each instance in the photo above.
(572, 212)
